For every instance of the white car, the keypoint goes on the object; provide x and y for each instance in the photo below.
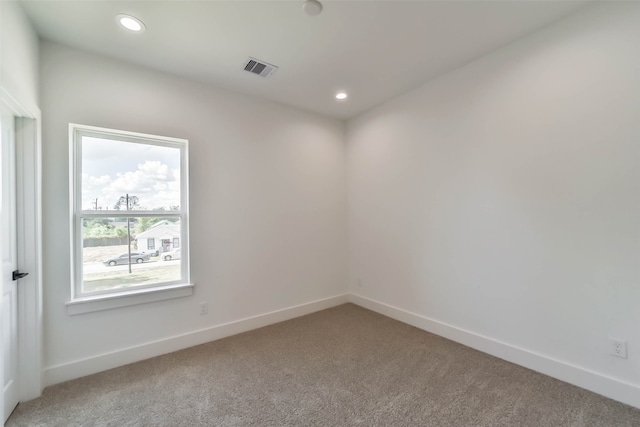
(168, 256)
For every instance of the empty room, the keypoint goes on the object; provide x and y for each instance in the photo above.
(333, 212)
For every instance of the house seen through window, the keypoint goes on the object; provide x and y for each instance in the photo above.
(130, 211)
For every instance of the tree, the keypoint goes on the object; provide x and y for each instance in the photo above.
(134, 202)
(146, 223)
(97, 227)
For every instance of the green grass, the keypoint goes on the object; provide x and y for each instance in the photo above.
(123, 279)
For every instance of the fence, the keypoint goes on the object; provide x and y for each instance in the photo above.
(91, 242)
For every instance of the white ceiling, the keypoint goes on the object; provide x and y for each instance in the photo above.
(374, 50)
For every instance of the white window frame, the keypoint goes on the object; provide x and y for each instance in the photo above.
(88, 302)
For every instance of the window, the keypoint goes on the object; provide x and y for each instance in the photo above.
(128, 189)
(176, 242)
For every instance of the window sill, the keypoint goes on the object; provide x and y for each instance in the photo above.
(124, 299)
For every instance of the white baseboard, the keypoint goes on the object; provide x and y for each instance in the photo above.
(593, 381)
(564, 371)
(102, 362)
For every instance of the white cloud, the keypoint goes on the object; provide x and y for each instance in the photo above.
(154, 183)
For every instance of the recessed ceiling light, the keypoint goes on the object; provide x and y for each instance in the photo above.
(131, 23)
(312, 7)
(341, 96)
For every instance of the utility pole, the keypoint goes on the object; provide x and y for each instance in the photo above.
(95, 204)
(128, 233)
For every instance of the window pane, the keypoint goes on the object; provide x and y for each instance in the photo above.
(112, 170)
(105, 259)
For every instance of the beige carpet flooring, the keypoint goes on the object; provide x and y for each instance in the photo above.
(345, 366)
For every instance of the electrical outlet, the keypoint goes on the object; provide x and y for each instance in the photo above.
(204, 308)
(619, 348)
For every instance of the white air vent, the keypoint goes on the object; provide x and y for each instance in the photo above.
(259, 67)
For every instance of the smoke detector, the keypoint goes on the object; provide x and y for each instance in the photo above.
(312, 7)
(261, 68)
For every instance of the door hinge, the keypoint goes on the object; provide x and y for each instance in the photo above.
(17, 275)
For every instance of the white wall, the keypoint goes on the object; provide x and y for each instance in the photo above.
(19, 94)
(268, 205)
(500, 203)
(18, 55)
